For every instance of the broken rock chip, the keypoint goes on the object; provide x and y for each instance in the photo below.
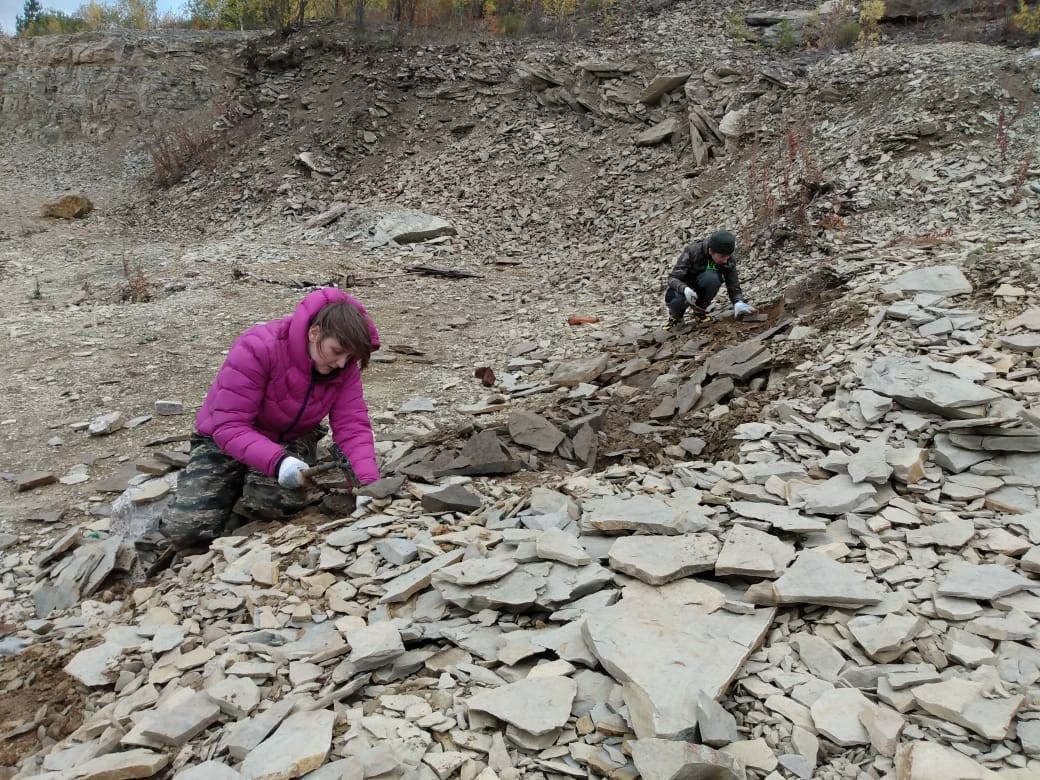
(128, 764)
(666, 759)
(637, 514)
(963, 702)
(922, 760)
(983, 583)
(665, 655)
(533, 430)
(571, 373)
(816, 579)
(754, 553)
(659, 559)
(916, 385)
(453, 498)
(537, 705)
(300, 745)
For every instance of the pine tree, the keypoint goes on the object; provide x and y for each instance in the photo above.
(30, 14)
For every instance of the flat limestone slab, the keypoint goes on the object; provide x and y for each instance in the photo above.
(928, 761)
(666, 759)
(637, 514)
(659, 559)
(122, 766)
(300, 745)
(816, 579)
(665, 655)
(962, 702)
(538, 706)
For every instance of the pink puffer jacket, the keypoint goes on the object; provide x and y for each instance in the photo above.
(266, 394)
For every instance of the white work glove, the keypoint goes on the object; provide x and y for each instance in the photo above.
(290, 472)
(691, 296)
(740, 308)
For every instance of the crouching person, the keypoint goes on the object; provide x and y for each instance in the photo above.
(700, 271)
(259, 426)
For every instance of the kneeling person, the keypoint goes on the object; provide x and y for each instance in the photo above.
(258, 429)
(697, 276)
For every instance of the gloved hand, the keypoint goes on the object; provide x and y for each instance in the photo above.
(691, 296)
(740, 308)
(290, 472)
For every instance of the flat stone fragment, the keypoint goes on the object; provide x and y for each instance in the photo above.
(715, 724)
(916, 385)
(533, 430)
(404, 587)
(962, 702)
(242, 737)
(750, 552)
(984, 583)
(665, 655)
(483, 453)
(538, 706)
(1029, 319)
(836, 715)
(208, 770)
(637, 514)
(374, 646)
(453, 498)
(300, 745)
(474, 571)
(783, 518)
(819, 655)
(397, 551)
(128, 765)
(835, 496)
(29, 480)
(953, 533)
(1026, 342)
(922, 760)
(666, 759)
(946, 280)
(662, 84)
(659, 133)
(753, 753)
(884, 639)
(659, 559)
(179, 724)
(554, 544)
(570, 373)
(884, 726)
(816, 579)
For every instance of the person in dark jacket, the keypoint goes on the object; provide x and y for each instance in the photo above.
(697, 276)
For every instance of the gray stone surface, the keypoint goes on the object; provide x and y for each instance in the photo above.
(666, 759)
(537, 706)
(660, 559)
(753, 553)
(665, 655)
(916, 385)
(300, 745)
(985, 582)
(816, 579)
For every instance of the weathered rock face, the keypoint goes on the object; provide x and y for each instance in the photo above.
(96, 84)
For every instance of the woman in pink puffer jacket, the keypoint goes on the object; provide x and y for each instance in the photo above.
(259, 426)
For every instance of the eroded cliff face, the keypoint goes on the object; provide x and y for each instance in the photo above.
(109, 86)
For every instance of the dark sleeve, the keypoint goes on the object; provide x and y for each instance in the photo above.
(729, 274)
(681, 270)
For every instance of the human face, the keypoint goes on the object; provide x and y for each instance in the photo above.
(718, 257)
(326, 352)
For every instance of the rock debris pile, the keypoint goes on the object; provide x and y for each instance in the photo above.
(854, 595)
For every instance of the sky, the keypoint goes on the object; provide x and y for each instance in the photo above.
(9, 9)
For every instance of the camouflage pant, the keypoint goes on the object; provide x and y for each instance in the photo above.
(216, 493)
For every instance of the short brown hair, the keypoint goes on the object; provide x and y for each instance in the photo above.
(345, 323)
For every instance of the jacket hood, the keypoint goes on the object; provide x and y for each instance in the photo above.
(308, 309)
